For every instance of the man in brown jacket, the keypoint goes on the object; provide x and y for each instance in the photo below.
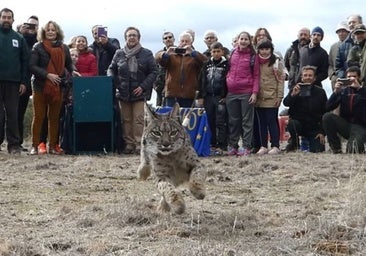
(183, 65)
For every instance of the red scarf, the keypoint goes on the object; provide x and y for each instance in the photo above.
(56, 65)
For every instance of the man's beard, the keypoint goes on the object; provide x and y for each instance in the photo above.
(5, 26)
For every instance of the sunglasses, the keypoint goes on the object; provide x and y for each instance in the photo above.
(167, 37)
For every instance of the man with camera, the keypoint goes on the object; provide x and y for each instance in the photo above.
(29, 31)
(351, 123)
(183, 65)
(159, 84)
(103, 48)
(306, 102)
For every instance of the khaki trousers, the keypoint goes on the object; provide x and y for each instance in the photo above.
(132, 116)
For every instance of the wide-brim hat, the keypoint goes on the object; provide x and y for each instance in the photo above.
(342, 25)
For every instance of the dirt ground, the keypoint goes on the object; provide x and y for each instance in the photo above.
(288, 204)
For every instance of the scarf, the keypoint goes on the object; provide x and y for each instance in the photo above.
(131, 59)
(263, 60)
(56, 65)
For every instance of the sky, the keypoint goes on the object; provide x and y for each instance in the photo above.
(283, 18)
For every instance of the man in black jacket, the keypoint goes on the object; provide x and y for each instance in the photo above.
(351, 121)
(314, 55)
(104, 49)
(29, 32)
(306, 102)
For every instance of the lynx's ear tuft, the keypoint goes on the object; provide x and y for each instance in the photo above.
(175, 111)
(149, 114)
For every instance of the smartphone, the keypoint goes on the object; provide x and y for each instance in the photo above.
(345, 81)
(180, 50)
(30, 25)
(102, 31)
(305, 90)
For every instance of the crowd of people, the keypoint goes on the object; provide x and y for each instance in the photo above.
(240, 88)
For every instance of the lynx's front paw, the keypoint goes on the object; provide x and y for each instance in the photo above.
(143, 172)
(163, 206)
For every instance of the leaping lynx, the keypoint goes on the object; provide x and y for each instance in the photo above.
(166, 150)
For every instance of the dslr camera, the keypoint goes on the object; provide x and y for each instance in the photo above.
(345, 81)
(305, 90)
(180, 50)
(30, 25)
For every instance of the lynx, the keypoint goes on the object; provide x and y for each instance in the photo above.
(166, 150)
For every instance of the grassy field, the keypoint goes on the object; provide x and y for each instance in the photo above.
(290, 204)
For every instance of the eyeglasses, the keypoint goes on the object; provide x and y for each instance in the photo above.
(167, 37)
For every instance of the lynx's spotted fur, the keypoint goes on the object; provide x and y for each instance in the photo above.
(166, 150)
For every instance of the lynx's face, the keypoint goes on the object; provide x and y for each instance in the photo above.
(163, 133)
(165, 136)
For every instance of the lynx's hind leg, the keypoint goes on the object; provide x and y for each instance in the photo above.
(197, 189)
(195, 184)
(173, 198)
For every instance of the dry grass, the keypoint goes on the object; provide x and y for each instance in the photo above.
(291, 204)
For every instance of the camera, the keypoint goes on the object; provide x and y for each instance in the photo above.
(345, 81)
(305, 90)
(30, 25)
(102, 31)
(180, 50)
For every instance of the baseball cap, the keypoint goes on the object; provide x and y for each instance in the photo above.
(360, 28)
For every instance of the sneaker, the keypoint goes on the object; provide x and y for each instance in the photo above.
(34, 151)
(243, 152)
(56, 150)
(231, 151)
(292, 146)
(274, 151)
(262, 151)
(215, 152)
(42, 149)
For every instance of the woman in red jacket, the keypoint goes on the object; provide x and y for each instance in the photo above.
(87, 62)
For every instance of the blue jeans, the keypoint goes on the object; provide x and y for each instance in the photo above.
(266, 120)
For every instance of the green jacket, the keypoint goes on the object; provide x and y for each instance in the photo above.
(14, 57)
